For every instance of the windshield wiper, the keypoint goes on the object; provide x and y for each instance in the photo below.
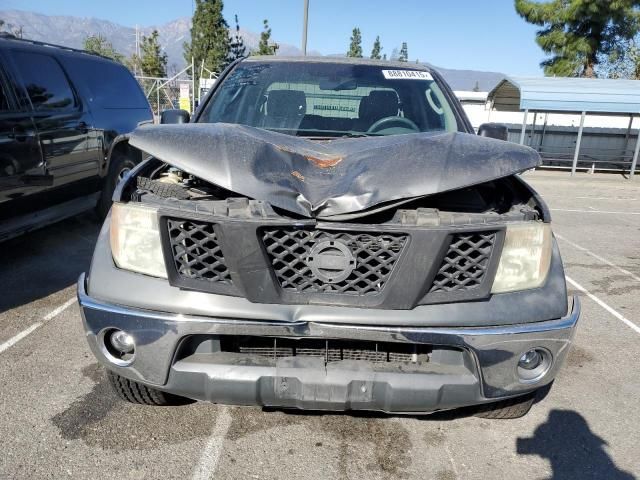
(356, 134)
(312, 133)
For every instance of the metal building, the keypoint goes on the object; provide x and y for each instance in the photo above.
(583, 96)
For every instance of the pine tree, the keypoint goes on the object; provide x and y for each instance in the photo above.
(355, 48)
(394, 55)
(264, 48)
(237, 46)
(404, 53)
(376, 50)
(209, 37)
(622, 63)
(577, 33)
(632, 55)
(99, 44)
(152, 61)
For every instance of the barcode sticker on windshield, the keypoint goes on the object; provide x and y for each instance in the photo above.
(406, 75)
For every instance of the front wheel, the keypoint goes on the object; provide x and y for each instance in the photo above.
(119, 167)
(507, 409)
(513, 407)
(134, 392)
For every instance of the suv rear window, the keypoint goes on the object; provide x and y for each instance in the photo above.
(109, 85)
(44, 80)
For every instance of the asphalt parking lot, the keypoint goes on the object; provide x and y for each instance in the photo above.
(58, 418)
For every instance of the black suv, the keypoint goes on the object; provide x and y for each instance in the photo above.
(61, 113)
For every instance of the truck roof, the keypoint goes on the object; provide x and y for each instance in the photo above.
(341, 60)
(39, 46)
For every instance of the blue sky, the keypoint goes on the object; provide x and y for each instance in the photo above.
(465, 34)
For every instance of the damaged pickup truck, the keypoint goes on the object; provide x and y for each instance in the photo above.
(329, 234)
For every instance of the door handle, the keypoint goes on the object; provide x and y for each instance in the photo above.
(18, 135)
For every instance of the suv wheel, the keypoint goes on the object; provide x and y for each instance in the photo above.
(135, 392)
(119, 167)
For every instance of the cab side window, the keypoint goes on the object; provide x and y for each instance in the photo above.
(46, 84)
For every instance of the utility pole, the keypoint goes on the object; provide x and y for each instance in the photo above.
(137, 50)
(137, 41)
(305, 24)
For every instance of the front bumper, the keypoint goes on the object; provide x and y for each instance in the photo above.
(485, 371)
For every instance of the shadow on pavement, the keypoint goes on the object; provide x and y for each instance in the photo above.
(574, 451)
(35, 265)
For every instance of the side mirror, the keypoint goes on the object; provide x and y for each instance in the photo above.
(174, 116)
(493, 130)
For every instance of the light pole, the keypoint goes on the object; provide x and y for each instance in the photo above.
(304, 27)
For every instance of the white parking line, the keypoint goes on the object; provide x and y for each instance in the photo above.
(592, 211)
(598, 257)
(212, 451)
(625, 199)
(57, 311)
(451, 460)
(49, 316)
(619, 316)
(13, 340)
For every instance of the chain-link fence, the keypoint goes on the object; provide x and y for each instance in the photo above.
(174, 92)
(162, 93)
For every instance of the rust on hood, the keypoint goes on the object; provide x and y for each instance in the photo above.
(298, 175)
(324, 162)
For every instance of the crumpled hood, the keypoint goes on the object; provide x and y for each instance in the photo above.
(341, 176)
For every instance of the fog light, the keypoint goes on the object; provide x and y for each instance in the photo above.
(534, 364)
(117, 346)
(122, 341)
(530, 360)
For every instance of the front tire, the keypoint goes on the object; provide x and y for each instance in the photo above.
(513, 407)
(119, 166)
(134, 392)
(507, 409)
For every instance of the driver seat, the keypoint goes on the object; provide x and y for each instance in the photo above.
(378, 104)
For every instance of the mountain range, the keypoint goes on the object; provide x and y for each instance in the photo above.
(71, 31)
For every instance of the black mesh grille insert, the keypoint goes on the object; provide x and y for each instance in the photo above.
(331, 350)
(318, 261)
(466, 262)
(196, 251)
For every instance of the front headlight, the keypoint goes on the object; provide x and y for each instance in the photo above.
(525, 259)
(135, 239)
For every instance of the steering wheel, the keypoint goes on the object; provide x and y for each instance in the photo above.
(388, 122)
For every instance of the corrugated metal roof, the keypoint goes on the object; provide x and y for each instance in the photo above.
(552, 94)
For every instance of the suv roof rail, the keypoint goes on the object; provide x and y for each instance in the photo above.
(11, 36)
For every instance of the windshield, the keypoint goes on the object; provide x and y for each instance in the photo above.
(330, 100)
